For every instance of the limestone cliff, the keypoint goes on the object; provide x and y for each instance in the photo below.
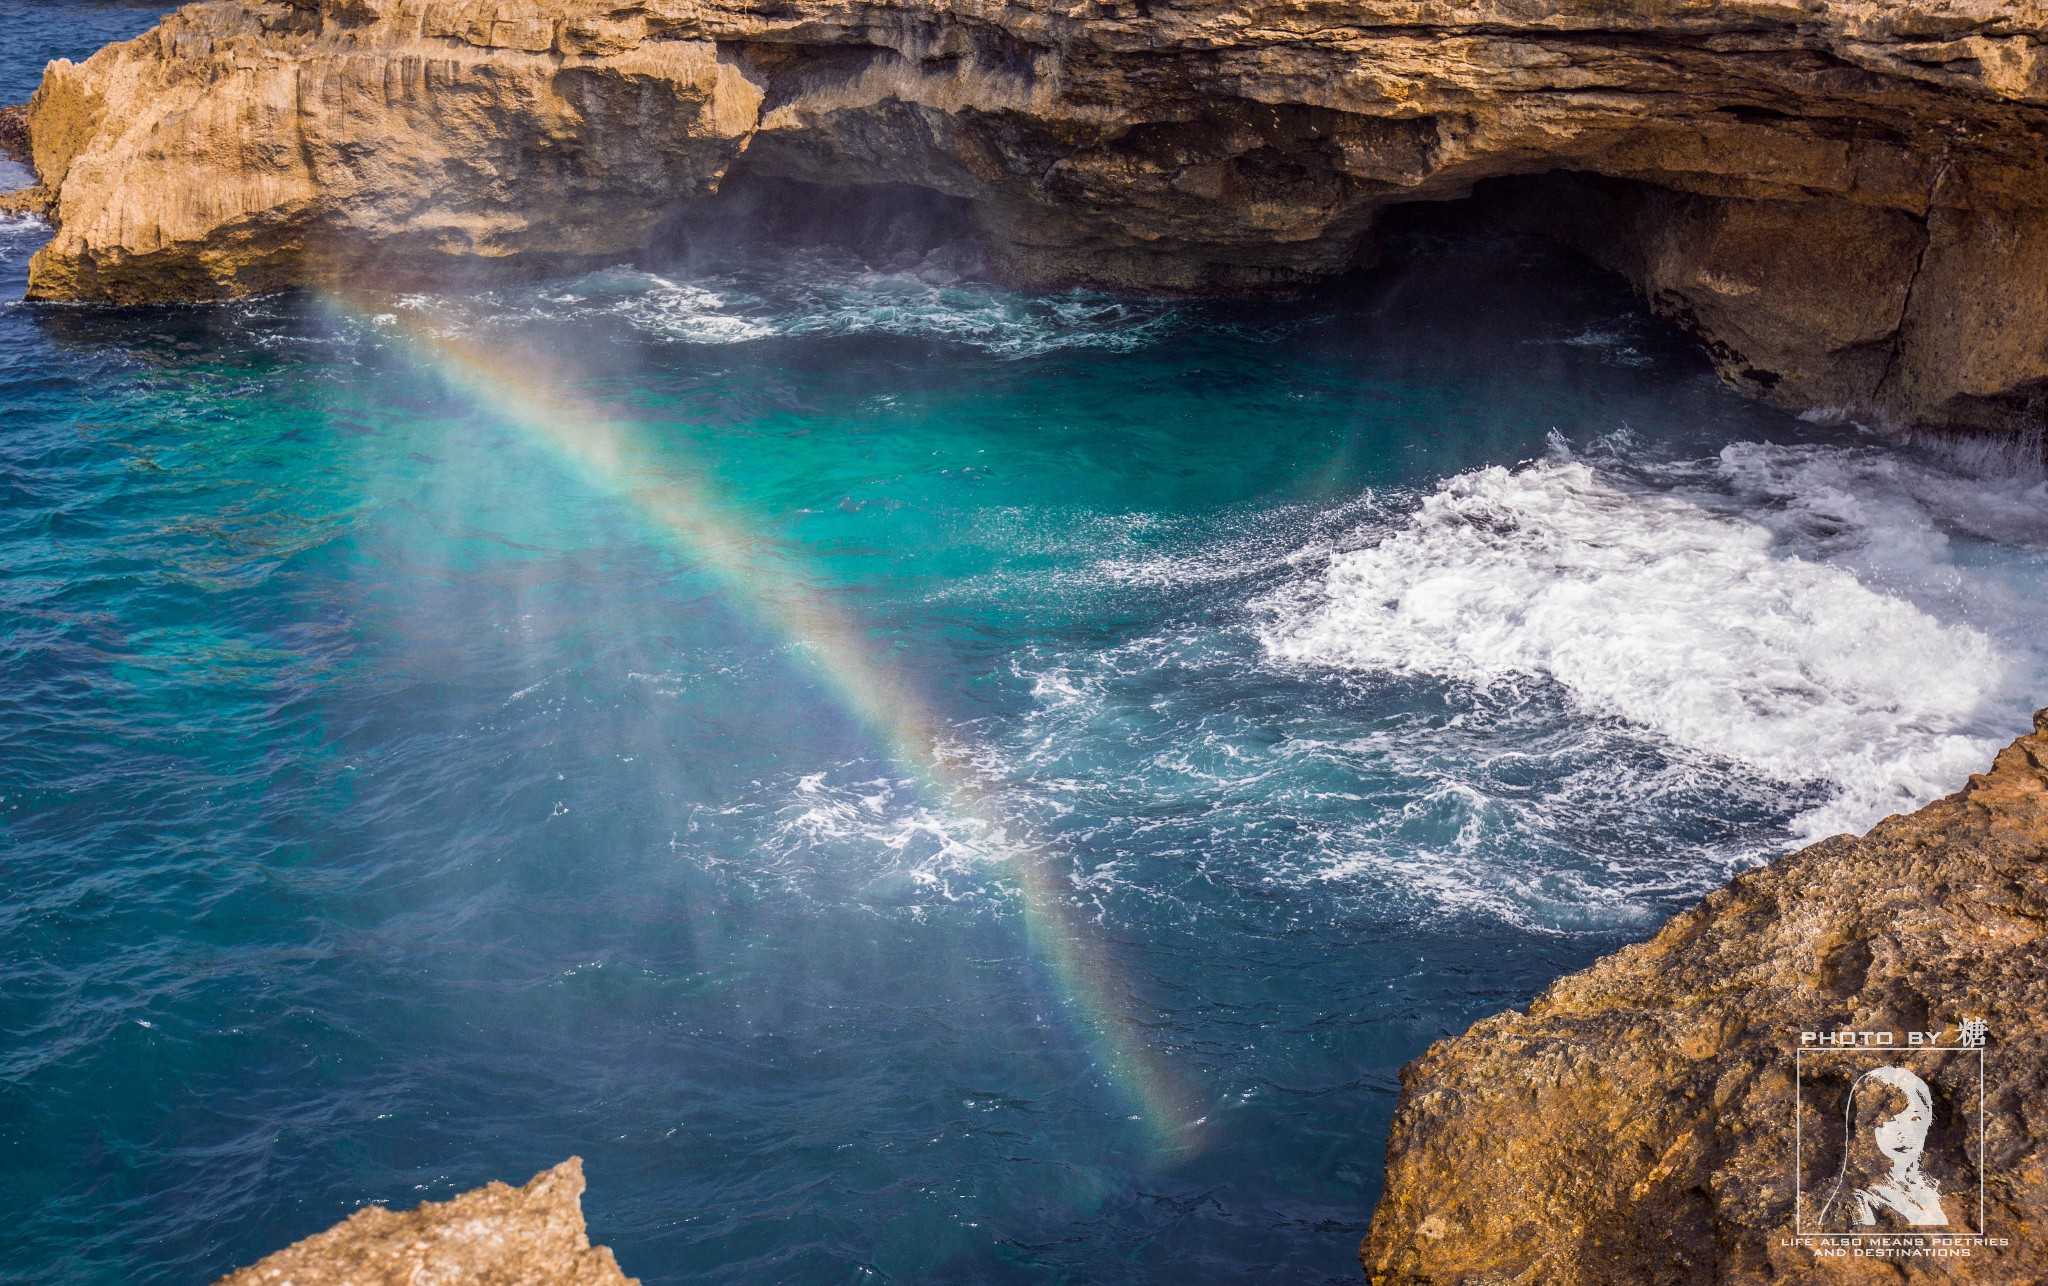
(1641, 1122)
(1847, 199)
(495, 1235)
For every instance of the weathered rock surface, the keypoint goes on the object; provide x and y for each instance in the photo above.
(1637, 1124)
(14, 147)
(496, 1235)
(1848, 199)
(14, 133)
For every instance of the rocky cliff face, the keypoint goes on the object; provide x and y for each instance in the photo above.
(1648, 1121)
(495, 1235)
(1845, 198)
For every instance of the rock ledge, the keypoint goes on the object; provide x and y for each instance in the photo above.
(1637, 1125)
(496, 1235)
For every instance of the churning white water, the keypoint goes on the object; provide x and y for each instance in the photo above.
(813, 294)
(1803, 612)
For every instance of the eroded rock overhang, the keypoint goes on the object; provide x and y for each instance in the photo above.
(1845, 199)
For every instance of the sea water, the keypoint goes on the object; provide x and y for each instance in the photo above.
(391, 801)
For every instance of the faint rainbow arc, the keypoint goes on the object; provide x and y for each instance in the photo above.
(521, 392)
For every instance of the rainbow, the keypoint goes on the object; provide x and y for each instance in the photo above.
(528, 393)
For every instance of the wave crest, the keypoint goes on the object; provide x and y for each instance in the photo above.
(1659, 612)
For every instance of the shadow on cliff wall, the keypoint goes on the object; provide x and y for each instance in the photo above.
(1813, 307)
(889, 226)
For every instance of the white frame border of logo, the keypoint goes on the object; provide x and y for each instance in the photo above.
(1799, 1056)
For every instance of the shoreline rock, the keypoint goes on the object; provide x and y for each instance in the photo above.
(1637, 1124)
(1845, 199)
(14, 144)
(488, 1236)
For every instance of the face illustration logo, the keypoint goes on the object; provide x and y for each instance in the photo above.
(1890, 1134)
(1901, 1139)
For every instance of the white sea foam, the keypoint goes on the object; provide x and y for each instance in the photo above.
(841, 834)
(678, 309)
(817, 294)
(20, 235)
(1612, 345)
(1887, 510)
(1565, 696)
(1688, 620)
(1518, 811)
(18, 226)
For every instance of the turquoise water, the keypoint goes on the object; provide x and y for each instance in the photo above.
(390, 803)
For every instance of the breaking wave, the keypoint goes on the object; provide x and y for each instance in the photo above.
(1568, 696)
(1773, 607)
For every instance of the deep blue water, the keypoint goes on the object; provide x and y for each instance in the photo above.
(393, 800)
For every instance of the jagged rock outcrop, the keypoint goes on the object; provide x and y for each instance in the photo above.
(14, 147)
(1847, 199)
(496, 1235)
(1637, 1125)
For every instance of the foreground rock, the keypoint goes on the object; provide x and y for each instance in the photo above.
(1845, 198)
(495, 1235)
(1637, 1124)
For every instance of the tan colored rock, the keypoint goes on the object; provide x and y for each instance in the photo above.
(1637, 1124)
(26, 201)
(234, 149)
(1847, 199)
(496, 1235)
